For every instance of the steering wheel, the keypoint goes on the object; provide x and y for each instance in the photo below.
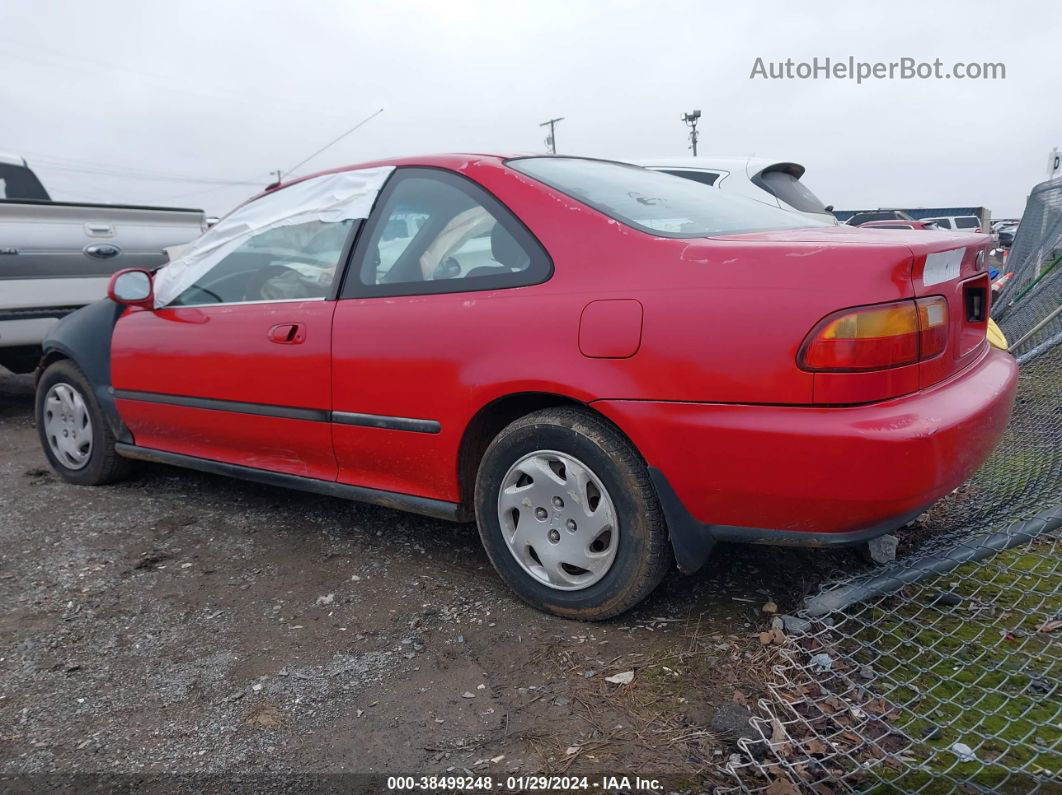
(253, 290)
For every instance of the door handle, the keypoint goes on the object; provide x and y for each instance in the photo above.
(102, 251)
(287, 333)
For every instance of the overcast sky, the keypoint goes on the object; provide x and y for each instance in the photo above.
(159, 94)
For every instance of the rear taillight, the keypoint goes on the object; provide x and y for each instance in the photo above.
(877, 337)
(932, 326)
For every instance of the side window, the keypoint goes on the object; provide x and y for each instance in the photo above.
(966, 222)
(943, 223)
(705, 177)
(437, 232)
(297, 261)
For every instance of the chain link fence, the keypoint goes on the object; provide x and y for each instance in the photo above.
(1028, 305)
(942, 671)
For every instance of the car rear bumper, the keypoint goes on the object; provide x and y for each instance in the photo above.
(815, 476)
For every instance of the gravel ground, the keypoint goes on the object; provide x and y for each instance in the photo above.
(185, 623)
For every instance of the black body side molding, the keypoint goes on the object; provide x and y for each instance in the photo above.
(694, 541)
(436, 509)
(84, 336)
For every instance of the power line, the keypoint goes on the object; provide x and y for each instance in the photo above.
(147, 177)
(65, 60)
(364, 121)
(59, 163)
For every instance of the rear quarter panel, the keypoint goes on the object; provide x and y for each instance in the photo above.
(723, 320)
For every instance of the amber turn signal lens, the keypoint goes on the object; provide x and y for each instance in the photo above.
(878, 337)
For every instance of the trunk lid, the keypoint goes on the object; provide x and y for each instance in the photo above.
(954, 266)
(946, 264)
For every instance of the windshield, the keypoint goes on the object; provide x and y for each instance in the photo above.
(657, 203)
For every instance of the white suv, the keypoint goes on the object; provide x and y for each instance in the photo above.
(773, 182)
(963, 223)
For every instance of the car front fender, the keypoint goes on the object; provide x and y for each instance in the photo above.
(84, 337)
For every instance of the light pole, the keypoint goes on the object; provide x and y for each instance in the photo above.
(691, 120)
(551, 139)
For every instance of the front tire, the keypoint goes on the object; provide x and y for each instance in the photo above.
(76, 437)
(569, 517)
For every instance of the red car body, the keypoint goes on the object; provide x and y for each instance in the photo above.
(691, 347)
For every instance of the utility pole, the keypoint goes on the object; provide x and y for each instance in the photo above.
(551, 139)
(691, 120)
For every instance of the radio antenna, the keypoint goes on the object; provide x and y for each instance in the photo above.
(333, 142)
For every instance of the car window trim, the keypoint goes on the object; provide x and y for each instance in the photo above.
(352, 286)
(244, 303)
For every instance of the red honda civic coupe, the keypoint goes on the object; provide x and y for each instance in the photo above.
(610, 369)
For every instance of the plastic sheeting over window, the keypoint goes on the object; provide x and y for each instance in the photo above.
(330, 198)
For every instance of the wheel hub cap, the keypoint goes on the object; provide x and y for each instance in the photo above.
(558, 520)
(67, 426)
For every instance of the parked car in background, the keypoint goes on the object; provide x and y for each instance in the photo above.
(899, 225)
(778, 183)
(960, 223)
(58, 256)
(878, 215)
(538, 356)
(1006, 234)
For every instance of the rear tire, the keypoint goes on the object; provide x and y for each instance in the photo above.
(75, 436)
(569, 516)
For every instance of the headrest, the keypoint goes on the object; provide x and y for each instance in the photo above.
(505, 249)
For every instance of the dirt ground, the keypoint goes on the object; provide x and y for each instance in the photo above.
(185, 623)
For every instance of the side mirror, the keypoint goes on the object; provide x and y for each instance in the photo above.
(131, 287)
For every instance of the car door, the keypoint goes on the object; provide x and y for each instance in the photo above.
(236, 367)
(417, 311)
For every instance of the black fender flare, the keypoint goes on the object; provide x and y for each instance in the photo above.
(84, 337)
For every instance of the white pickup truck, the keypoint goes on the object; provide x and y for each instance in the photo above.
(56, 257)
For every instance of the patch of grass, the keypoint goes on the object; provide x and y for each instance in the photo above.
(978, 672)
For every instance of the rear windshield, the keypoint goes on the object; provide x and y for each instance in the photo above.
(792, 191)
(657, 203)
